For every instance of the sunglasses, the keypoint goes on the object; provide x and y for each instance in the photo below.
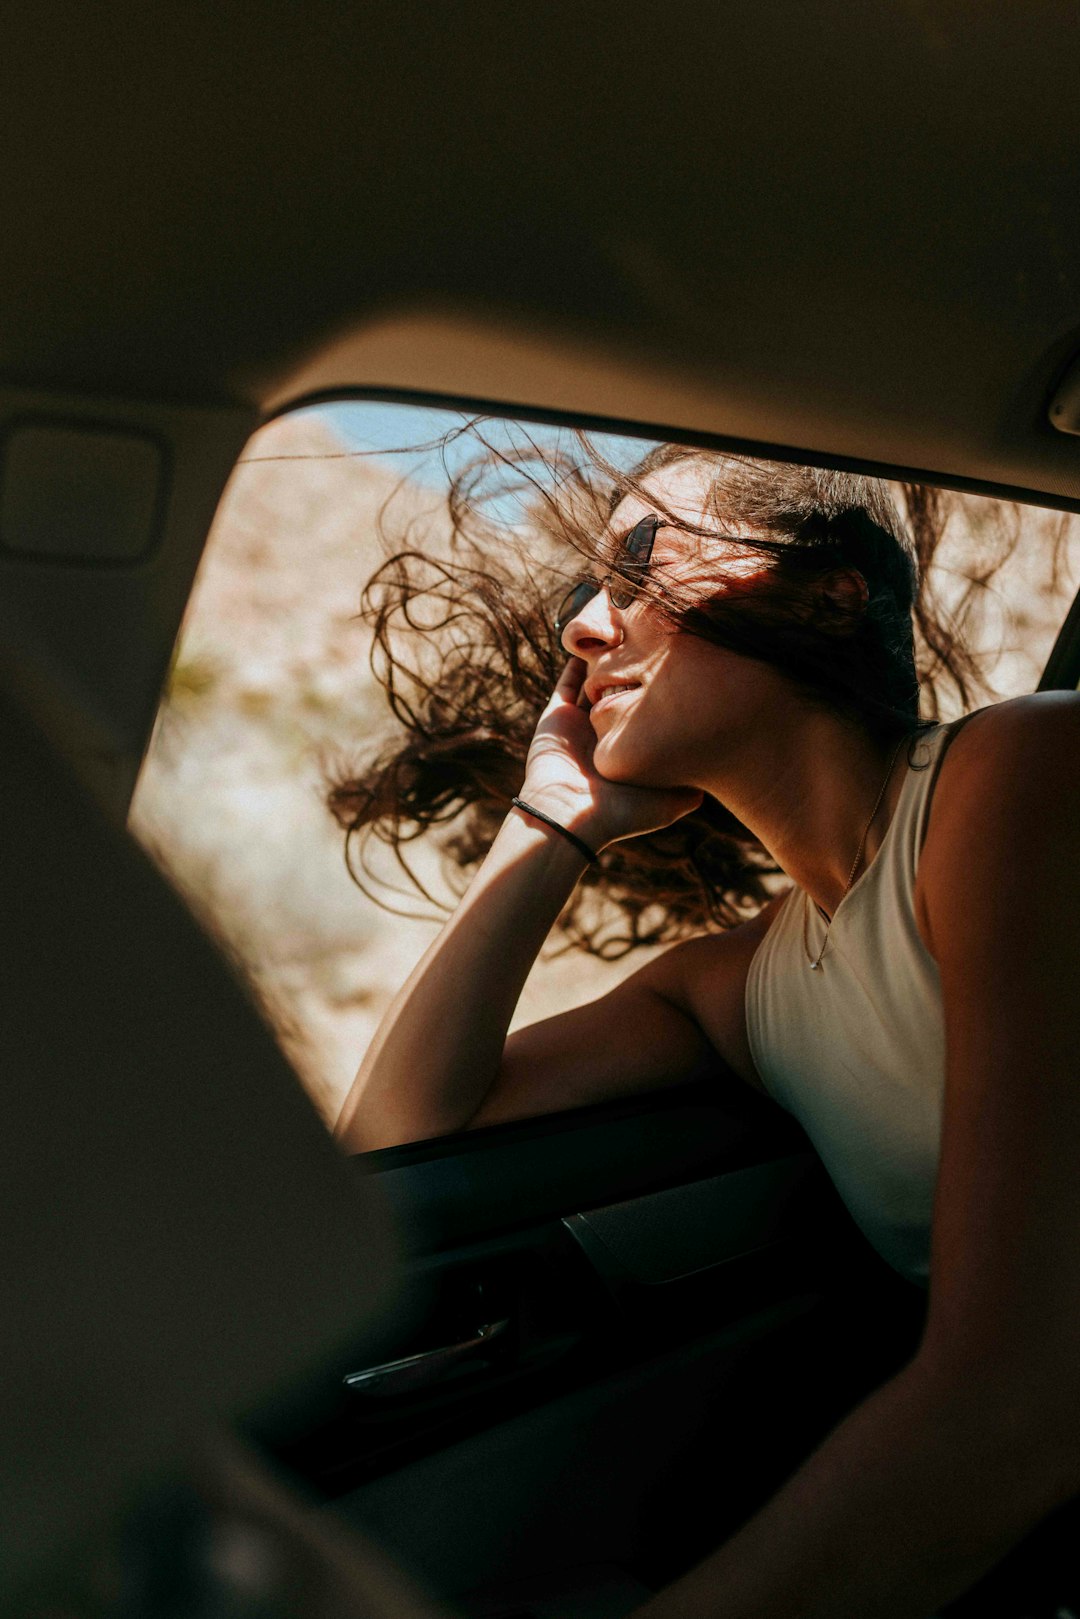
(622, 584)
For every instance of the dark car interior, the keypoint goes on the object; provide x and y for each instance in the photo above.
(540, 1368)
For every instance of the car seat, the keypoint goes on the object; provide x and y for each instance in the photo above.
(183, 1246)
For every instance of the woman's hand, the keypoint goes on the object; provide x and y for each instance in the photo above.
(561, 780)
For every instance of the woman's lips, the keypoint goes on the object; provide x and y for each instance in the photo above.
(612, 695)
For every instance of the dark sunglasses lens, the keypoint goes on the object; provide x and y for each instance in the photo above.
(639, 541)
(637, 552)
(573, 602)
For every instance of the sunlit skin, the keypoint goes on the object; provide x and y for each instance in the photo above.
(933, 1477)
(703, 717)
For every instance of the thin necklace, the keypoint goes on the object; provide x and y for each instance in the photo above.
(815, 962)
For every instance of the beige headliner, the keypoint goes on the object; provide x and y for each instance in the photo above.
(845, 229)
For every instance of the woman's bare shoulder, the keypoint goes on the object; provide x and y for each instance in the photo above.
(706, 977)
(1017, 726)
(1016, 735)
(1008, 784)
(707, 951)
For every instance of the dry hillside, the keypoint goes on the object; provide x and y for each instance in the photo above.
(271, 683)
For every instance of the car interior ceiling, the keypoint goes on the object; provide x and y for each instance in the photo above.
(644, 1294)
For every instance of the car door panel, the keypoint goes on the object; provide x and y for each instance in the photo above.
(599, 1310)
(478, 1183)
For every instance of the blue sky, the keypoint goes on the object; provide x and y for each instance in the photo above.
(388, 430)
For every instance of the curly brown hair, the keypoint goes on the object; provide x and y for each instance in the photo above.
(464, 647)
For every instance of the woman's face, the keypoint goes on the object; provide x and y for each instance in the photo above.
(689, 702)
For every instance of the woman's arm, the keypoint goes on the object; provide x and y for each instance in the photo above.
(932, 1480)
(678, 1018)
(439, 1049)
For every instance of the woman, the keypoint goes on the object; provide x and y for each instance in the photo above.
(744, 653)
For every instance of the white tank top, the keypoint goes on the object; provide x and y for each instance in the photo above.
(856, 1050)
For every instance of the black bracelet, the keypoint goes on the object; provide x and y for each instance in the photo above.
(574, 839)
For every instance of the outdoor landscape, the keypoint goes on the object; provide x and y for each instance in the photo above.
(270, 689)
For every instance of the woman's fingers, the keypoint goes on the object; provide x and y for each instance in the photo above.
(568, 686)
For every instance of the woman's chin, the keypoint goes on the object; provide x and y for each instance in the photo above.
(609, 758)
(629, 767)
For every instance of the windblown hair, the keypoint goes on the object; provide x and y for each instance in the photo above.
(465, 649)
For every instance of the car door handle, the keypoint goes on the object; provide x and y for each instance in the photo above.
(429, 1366)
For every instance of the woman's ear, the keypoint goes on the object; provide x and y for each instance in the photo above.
(840, 600)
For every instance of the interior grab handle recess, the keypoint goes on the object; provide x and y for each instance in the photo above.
(429, 1366)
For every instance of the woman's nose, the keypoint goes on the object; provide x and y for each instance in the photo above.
(598, 622)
